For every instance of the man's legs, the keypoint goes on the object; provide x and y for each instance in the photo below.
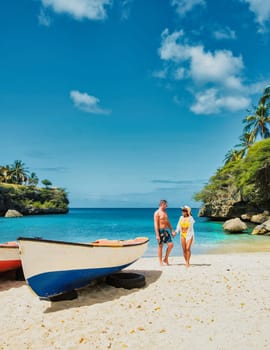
(160, 247)
(168, 250)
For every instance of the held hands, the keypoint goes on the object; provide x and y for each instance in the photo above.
(173, 233)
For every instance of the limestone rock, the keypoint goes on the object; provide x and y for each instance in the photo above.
(266, 224)
(234, 225)
(12, 213)
(228, 202)
(262, 229)
(246, 217)
(259, 218)
(220, 211)
(45, 211)
(259, 230)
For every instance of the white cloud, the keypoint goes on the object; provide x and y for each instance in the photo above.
(179, 73)
(217, 75)
(171, 49)
(161, 74)
(87, 103)
(217, 67)
(204, 67)
(44, 19)
(211, 101)
(261, 9)
(79, 9)
(184, 6)
(125, 8)
(224, 34)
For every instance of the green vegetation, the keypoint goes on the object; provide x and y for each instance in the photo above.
(249, 176)
(15, 173)
(19, 191)
(246, 171)
(46, 183)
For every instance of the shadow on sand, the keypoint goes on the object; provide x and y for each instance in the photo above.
(100, 292)
(11, 279)
(191, 265)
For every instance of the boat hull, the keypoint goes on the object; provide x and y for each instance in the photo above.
(52, 268)
(53, 283)
(9, 257)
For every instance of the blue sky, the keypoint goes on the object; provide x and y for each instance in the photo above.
(126, 102)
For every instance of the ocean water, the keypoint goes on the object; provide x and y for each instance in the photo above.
(87, 225)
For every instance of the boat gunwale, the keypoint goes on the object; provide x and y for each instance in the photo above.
(5, 246)
(88, 245)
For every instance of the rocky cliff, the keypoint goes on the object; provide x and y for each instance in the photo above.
(239, 187)
(32, 200)
(220, 210)
(227, 204)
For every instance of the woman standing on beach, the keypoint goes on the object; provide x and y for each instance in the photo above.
(185, 227)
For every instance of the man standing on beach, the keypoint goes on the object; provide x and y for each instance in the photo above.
(162, 226)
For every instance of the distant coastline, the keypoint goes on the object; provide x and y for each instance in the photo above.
(20, 194)
(18, 200)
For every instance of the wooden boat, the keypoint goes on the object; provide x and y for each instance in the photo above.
(9, 256)
(52, 268)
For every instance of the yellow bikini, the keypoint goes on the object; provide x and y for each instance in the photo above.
(184, 227)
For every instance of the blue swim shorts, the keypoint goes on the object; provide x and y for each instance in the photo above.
(164, 236)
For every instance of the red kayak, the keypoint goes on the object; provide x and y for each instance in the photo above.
(9, 256)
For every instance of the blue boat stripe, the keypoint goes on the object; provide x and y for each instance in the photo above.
(53, 283)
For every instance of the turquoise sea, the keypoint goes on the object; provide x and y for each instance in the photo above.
(86, 225)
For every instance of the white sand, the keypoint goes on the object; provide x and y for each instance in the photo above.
(220, 302)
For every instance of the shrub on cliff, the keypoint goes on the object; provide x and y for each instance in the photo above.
(18, 190)
(254, 173)
(249, 177)
(25, 198)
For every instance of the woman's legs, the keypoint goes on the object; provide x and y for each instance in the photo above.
(188, 250)
(183, 242)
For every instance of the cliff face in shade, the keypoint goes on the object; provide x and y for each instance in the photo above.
(227, 204)
(219, 210)
(32, 200)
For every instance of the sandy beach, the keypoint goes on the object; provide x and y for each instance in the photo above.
(220, 302)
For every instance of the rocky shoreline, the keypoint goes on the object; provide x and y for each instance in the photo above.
(240, 189)
(236, 215)
(12, 213)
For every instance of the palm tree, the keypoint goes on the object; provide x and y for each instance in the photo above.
(233, 155)
(258, 123)
(2, 174)
(247, 140)
(46, 183)
(19, 172)
(5, 174)
(33, 179)
(266, 96)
